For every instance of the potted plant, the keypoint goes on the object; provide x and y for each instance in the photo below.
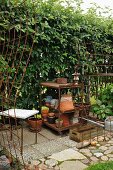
(59, 122)
(65, 118)
(44, 112)
(35, 123)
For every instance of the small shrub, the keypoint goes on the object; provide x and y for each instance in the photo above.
(104, 103)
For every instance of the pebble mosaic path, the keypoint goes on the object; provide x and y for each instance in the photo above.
(73, 158)
(62, 154)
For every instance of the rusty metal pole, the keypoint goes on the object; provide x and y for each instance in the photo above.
(21, 149)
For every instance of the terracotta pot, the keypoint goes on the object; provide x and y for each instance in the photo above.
(35, 124)
(44, 116)
(51, 114)
(66, 124)
(47, 104)
(61, 80)
(51, 120)
(65, 119)
(45, 111)
(59, 123)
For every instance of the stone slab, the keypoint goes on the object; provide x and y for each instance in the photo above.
(49, 134)
(4, 163)
(30, 137)
(73, 165)
(67, 154)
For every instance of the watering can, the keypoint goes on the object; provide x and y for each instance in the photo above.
(109, 123)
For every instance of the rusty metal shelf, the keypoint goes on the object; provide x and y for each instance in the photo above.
(101, 74)
(57, 85)
(60, 129)
(60, 87)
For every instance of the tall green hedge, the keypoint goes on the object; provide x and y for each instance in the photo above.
(62, 37)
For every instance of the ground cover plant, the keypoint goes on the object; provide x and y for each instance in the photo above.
(102, 166)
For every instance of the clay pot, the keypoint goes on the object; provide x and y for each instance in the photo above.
(61, 80)
(45, 111)
(44, 116)
(35, 124)
(47, 104)
(51, 114)
(51, 120)
(65, 119)
(59, 123)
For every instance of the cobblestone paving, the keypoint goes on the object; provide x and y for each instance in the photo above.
(46, 155)
(101, 152)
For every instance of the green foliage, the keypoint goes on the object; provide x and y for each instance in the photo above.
(104, 103)
(3, 64)
(62, 37)
(101, 166)
(4, 67)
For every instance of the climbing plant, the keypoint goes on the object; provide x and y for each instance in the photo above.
(62, 36)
